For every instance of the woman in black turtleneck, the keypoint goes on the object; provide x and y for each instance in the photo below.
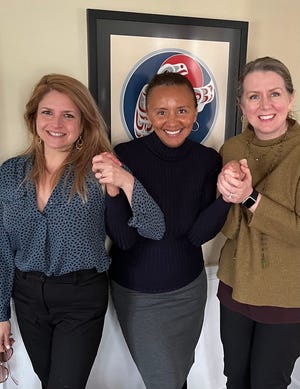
(159, 287)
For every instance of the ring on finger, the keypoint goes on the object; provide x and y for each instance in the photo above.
(231, 195)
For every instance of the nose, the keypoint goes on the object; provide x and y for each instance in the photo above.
(265, 102)
(172, 118)
(57, 120)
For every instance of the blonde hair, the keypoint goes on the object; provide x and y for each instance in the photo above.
(94, 132)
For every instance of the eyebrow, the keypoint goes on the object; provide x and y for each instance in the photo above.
(65, 111)
(269, 90)
(180, 106)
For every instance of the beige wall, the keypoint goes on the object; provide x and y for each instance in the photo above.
(42, 36)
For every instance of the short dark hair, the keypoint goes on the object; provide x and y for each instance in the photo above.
(168, 79)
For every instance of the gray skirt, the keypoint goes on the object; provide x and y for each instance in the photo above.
(162, 330)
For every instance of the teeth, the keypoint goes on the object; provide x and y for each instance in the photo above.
(56, 133)
(172, 132)
(266, 117)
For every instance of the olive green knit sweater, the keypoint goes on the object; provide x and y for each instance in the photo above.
(261, 257)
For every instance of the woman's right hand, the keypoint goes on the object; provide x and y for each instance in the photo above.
(109, 171)
(5, 336)
(235, 181)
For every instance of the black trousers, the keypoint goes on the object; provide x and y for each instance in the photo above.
(61, 321)
(257, 355)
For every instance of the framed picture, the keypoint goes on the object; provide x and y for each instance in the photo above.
(125, 50)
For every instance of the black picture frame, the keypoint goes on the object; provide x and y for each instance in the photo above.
(103, 24)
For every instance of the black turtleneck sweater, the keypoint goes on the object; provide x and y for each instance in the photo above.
(182, 181)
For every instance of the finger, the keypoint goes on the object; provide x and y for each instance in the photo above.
(231, 173)
(112, 157)
(97, 158)
(7, 343)
(96, 166)
(231, 181)
(244, 162)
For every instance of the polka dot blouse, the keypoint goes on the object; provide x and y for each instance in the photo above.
(66, 236)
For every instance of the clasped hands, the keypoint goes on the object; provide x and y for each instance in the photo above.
(109, 171)
(235, 181)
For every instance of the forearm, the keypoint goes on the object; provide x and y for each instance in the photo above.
(209, 222)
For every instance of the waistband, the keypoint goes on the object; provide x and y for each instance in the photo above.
(68, 277)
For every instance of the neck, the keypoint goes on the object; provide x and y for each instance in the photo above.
(54, 161)
(265, 136)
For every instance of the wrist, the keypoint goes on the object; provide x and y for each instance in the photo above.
(112, 190)
(128, 184)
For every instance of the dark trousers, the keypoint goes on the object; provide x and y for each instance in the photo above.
(61, 321)
(257, 355)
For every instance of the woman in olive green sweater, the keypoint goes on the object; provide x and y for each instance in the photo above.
(259, 270)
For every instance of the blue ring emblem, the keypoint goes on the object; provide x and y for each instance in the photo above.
(132, 105)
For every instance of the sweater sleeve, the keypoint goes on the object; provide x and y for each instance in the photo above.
(278, 221)
(213, 213)
(125, 223)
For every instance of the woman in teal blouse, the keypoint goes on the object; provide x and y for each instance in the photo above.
(53, 260)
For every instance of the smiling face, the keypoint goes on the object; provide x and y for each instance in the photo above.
(172, 112)
(266, 103)
(58, 122)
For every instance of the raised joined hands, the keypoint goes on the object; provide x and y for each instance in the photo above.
(109, 171)
(235, 181)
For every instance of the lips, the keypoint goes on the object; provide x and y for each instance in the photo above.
(266, 117)
(56, 134)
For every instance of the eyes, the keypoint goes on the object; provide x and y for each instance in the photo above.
(180, 111)
(256, 96)
(49, 113)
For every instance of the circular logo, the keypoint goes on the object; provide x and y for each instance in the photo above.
(133, 107)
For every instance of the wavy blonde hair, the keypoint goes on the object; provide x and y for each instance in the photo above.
(94, 132)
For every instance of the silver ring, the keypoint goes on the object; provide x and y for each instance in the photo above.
(231, 195)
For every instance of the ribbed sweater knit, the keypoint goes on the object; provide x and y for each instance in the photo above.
(182, 181)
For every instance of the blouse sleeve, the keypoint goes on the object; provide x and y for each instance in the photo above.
(144, 217)
(7, 271)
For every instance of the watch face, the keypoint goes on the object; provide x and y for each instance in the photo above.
(249, 202)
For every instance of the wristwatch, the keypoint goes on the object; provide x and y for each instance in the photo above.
(250, 200)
